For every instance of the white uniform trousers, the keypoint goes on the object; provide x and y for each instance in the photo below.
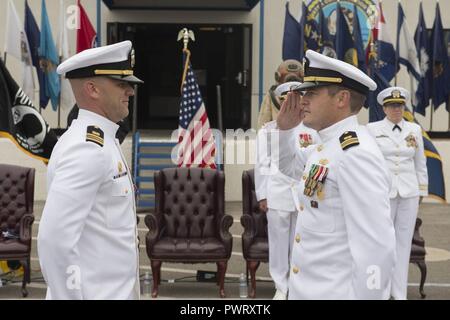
(404, 214)
(281, 229)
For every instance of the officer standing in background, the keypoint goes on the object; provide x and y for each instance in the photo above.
(401, 143)
(288, 70)
(276, 195)
(87, 241)
(344, 244)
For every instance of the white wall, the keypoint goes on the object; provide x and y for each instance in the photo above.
(274, 21)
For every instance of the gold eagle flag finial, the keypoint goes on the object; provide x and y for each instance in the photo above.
(186, 34)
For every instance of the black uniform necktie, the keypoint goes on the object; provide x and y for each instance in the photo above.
(396, 127)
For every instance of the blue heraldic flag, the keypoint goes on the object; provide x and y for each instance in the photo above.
(423, 53)
(376, 112)
(345, 47)
(292, 37)
(359, 45)
(441, 68)
(311, 31)
(49, 60)
(436, 183)
(326, 40)
(34, 40)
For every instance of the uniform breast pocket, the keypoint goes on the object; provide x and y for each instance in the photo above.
(322, 221)
(320, 215)
(120, 205)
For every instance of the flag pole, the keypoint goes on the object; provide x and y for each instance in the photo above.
(185, 35)
(431, 116)
(448, 111)
(396, 50)
(432, 104)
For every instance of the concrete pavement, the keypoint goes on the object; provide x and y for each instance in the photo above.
(179, 280)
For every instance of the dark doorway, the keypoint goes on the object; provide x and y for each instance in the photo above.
(220, 56)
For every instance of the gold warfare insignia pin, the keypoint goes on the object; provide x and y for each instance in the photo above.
(119, 167)
(323, 162)
(411, 141)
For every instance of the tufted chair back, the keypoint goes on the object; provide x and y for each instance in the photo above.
(189, 224)
(190, 201)
(16, 196)
(255, 244)
(16, 216)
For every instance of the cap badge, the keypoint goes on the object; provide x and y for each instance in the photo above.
(133, 58)
(396, 94)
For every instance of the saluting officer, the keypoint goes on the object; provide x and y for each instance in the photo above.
(401, 143)
(344, 244)
(275, 194)
(87, 241)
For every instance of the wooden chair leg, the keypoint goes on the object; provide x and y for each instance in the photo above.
(156, 272)
(29, 270)
(26, 270)
(252, 266)
(423, 275)
(218, 274)
(222, 268)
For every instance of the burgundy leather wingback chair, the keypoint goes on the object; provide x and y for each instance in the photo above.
(16, 216)
(255, 245)
(189, 224)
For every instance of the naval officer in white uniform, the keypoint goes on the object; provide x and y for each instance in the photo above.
(401, 143)
(275, 193)
(344, 244)
(87, 241)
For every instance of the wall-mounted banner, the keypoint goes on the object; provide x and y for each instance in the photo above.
(367, 14)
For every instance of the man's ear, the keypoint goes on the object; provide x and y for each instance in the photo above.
(91, 89)
(343, 97)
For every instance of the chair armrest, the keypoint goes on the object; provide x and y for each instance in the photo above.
(224, 234)
(25, 227)
(248, 236)
(154, 225)
(418, 240)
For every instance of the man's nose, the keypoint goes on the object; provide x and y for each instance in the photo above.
(130, 91)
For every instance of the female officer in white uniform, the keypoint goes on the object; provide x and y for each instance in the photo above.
(401, 143)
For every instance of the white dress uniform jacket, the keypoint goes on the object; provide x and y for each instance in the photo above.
(404, 154)
(270, 182)
(344, 246)
(87, 241)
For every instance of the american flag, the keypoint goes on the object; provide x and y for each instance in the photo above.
(196, 147)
